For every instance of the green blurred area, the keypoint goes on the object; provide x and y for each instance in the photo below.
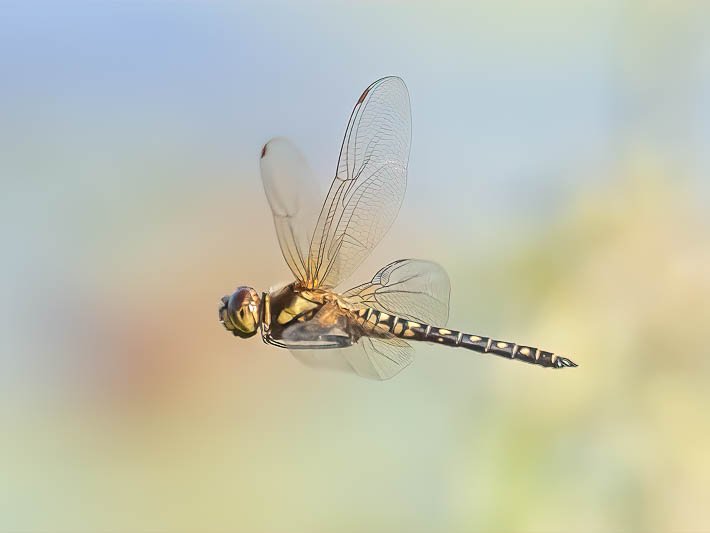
(126, 406)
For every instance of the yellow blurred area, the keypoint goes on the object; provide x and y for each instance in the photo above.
(192, 429)
(558, 173)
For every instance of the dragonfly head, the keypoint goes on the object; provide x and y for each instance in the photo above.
(240, 312)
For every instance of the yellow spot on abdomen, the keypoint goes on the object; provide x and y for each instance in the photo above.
(502, 344)
(414, 325)
(474, 338)
(408, 333)
(525, 351)
(444, 331)
(398, 328)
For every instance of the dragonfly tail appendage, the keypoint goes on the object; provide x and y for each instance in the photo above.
(415, 331)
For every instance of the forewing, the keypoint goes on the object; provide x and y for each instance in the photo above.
(290, 189)
(409, 288)
(367, 191)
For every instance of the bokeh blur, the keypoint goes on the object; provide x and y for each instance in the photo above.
(559, 172)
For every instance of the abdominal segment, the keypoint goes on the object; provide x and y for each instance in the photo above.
(377, 323)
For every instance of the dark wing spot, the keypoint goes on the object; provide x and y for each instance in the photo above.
(263, 151)
(363, 95)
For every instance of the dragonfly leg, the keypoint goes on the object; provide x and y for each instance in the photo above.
(322, 342)
(340, 340)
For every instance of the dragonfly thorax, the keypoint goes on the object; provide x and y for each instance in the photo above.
(240, 312)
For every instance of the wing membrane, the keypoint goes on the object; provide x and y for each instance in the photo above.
(379, 359)
(368, 189)
(380, 356)
(409, 288)
(370, 358)
(291, 191)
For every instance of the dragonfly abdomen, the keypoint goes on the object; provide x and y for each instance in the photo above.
(527, 354)
(415, 331)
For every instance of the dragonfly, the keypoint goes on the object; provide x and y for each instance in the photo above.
(368, 329)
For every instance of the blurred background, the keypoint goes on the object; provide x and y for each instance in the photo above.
(559, 172)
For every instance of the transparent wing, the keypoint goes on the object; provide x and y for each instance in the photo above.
(291, 191)
(378, 357)
(370, 358)
(369, 185)
(328, 326)
(409, 288)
